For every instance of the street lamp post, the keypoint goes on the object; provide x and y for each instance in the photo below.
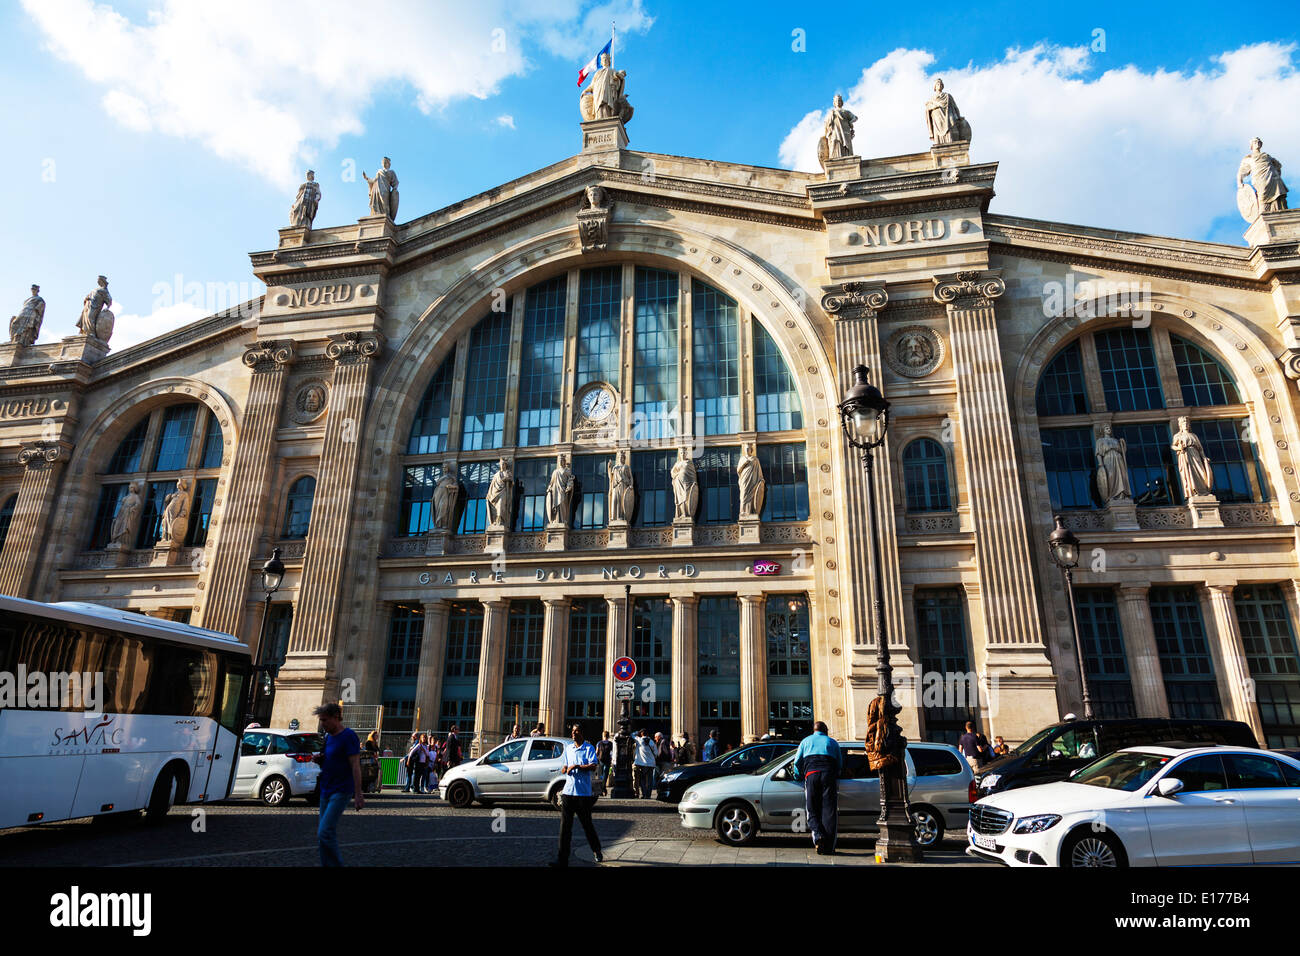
(623, 739)
(272, 575)
(864, 416)
(1063, 546)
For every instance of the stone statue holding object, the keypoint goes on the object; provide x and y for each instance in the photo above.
(559, 493)
(605, 99)
(122, 533)
(1193, 467)
(1112, 465)
(943, 120)
(753, 487)
(175, 516)
(686, 486)
(1265, 191)
(383, 190)
(26, 325)
(305, 204)
(622, 494)
(837, 138)
(501, 496)
(445, 495)
(96, 320)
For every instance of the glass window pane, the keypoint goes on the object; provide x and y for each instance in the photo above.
(205, 493)
(174, 440)
(716, 329)
(1238, 474)
(1128, 370)
(786, 472)
(213, 446)
(464, 640)
(541, 363)
(1103, 653)
(925, 476)
(652, 642)
(1202, 379)
(474, 480)
(788, 637)
(102, 528)
(6, 517)
(715, 471)
(654, 368)
(1068, 459)
(1184, 653)
(531, 478)
(525, 622)
(588, 621)
(600, 303)
(941, 631)
(1151, 470)
(297, 516)
(1061, 390)
(1266, 631)
(591, 483)
(151, 517)
(776, 397)
(485, 382)
(415, 512)
(719, 637)
(126, 459)
(652, 479)
(430, 431)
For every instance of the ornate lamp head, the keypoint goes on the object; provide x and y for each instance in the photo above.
(864, 413)
(1063, 546)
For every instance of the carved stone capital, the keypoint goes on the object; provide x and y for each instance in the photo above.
(39, 454)
(969, 290)
(347, 347)
(854, 300)
(264, 356)
(1290, 362)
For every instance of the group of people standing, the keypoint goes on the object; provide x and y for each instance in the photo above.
(427, 760)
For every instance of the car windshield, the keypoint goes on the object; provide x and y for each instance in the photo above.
(304, 743)
(1126, 770)
(1034, 741)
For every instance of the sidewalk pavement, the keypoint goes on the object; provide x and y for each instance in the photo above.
(708, 853)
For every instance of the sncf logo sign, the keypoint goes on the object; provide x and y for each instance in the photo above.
(765, 567)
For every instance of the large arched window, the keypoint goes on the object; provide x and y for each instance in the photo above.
(649, 358)
(1118, 371)
(297, 512)
(925, 476)
(169, 444)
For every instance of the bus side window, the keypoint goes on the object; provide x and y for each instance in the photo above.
(185, 682)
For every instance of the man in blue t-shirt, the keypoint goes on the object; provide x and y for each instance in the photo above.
(340, 779)
(817, 765)
(577, 798)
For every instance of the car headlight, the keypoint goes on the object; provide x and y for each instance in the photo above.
(989, 781)
(1037, 824)
(690, 797)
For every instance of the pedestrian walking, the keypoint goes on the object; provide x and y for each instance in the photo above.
(686, 752)
(605, 759)
(663, 757)
(372, 746)
(577, 799)
(426, 765)
(817, 763)
(452, 747)
(340, 780)
(411, 762)
(711, 746)
(643, 763)
(974, 746)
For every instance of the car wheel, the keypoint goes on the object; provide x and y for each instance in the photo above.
(554, 798)
(736, 824)
(460, 794)
(927, 825)
(274, 792)
(166, 791)
(1089, 849)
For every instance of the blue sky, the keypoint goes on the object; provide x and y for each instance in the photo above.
(167, 144)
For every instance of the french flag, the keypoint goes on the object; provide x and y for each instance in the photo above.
(591, 67)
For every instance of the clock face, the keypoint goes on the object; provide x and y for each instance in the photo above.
(597, 404)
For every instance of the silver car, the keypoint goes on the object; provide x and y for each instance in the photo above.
(939, 783)
(524, 769)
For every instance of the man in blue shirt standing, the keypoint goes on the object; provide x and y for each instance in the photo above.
(340, 780)
(576, 797)
(817, 765)
(711, 746)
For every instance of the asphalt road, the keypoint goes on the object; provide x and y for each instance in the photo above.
(394, 829)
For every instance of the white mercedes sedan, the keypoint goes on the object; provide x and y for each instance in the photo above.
(1149, 806)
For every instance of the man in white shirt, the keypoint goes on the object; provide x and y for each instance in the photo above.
(576, 797)
(644, 757)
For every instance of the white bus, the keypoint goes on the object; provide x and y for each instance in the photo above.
(167, 708)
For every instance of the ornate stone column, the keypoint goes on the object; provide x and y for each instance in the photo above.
(1013, 628)
(854, 306)
(491, 674)
(1140, 648)
(43, 464)
(685, 704)
(555, 662)
(753, 669)
(433, 660)
(1227, 634)
(222, 606)
(615, 647)
(307, 670)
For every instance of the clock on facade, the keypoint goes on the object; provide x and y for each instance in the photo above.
(597, 404)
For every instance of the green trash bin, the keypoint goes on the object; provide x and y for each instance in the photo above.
(389, 771)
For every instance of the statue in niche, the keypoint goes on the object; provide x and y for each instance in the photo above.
(305, 203)
(753, 487)
(175, 516)
(26, 325)
(445, 495)
(559, 493)
(622, 494)
(686, 487)
(501, 496)
(1112, 465)
(1193, 467)
(125, 519)
(943, 120)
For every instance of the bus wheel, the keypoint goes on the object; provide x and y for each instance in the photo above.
(165, 793)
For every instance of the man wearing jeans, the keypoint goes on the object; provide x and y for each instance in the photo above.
(576, 797)
(340, 780)
(817, 765)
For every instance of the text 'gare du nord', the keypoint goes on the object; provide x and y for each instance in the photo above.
(463, 432)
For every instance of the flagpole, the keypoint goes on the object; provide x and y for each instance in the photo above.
(612, 26)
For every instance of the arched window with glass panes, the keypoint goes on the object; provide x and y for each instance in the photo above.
(166, 445)
(669, 345)
(925, 476)
(297, 511)
(1138, 380)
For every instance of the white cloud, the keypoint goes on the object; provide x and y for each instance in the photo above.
(131, 329)
(1079, 140)
(506, 120)
(268, 84)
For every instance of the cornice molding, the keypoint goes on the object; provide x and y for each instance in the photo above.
(1131, 266)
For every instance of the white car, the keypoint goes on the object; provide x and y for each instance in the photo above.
(1149, 806)
(527, 768)
(275, 765)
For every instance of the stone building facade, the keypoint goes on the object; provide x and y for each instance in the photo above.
(626, 303)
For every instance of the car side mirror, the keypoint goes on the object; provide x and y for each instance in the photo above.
(1169, 786)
